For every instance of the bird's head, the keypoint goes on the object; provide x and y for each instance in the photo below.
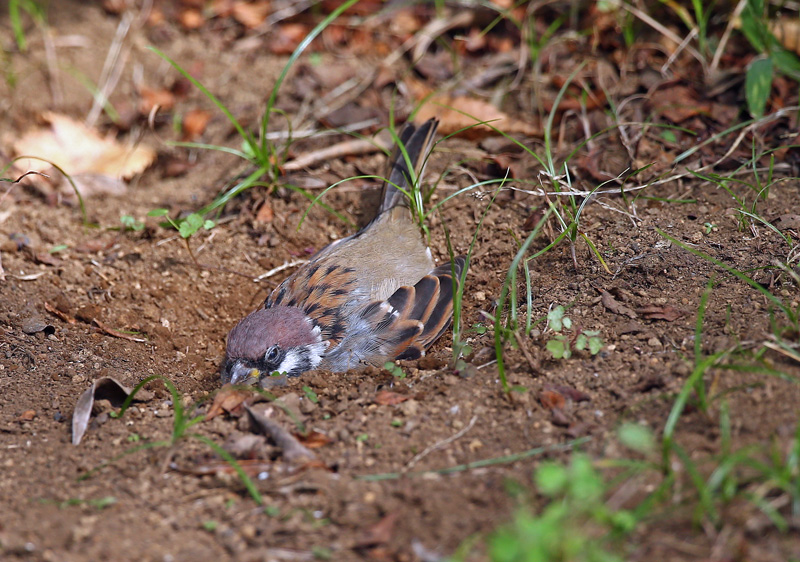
(280, 340)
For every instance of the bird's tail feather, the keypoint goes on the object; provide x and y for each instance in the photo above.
(417, 143)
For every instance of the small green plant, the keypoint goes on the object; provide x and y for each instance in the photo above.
(560, 346)
(755, 26)
(130, 223)
(575, 525)
(310, 394)
(15, 8)
(395, 369)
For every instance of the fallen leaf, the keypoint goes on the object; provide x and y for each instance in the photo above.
(250, 14)
(314, 439)
(658, 312)
(389, 398)
(34, 323)
(229, 399)
(26, 416)
(82, 153)
(678, 103)
(191, 19)
(552, 400)
(152, 98)
(94, 245)
(194, 123)
(46, 258)
(615, 306)
(286, 38)
(786, 221)
(462, 112)
(378, 533)
(265, 213)
(59, 314)
(104, 388)
(787, 31)
(571, 393)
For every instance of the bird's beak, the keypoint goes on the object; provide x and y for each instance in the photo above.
(241, 374)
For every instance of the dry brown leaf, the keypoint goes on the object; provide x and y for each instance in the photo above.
(59, 313)
(462, 112)
(104, 388)
(265, 213)
(287, 37)
(194, 123)
(658, 312)
(314, 439)
(389, 398)
(230, 400)
(615, 306)
(787, 31)
(552, 400)
(786, 221)
(191, 19)
(250, 14)
(380, 532)
(152, 97)
(27, 415)
(96, 164)
(571, 393)
(678, 103)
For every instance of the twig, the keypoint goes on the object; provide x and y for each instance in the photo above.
(440, 444)
(479, 464)
(116, 333)
(293, 450)
(109, 75)
(348, 147)
(274, 270)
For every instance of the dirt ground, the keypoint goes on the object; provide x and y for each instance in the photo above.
(154, 504)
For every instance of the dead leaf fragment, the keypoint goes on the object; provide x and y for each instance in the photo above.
(658, 312)
(462, 112)
(194, 123)
(378, 533)
(314, 439)
(615, 306)
(104, 388)
(191, 19)
(678, 103)
(59, 313)
(152, 98)
(389, 398)
(82, 153)
(784, 222)
(230, 400)
(571, 393)
(250, 14)
(26, 416)
(552, 400)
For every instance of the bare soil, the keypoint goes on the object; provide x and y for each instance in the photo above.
(146, 283)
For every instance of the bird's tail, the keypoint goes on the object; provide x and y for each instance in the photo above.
(417, 143)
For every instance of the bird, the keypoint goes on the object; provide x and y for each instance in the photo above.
(366, 299)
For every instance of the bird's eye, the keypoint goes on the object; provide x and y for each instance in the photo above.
(272, 353)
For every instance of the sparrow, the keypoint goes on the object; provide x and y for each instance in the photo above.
(372, 297)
